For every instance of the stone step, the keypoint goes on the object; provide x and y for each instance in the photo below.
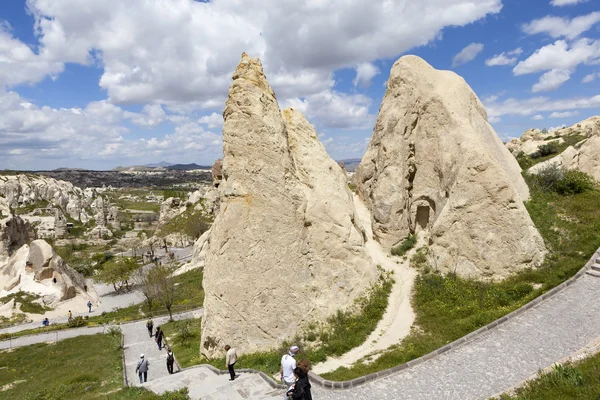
(595, 274)
(596, 267)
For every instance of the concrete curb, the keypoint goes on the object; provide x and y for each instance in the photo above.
(123, 360)
(327, 384)
(264, 376)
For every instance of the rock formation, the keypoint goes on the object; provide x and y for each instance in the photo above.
(285, 248)
(14, 233)
(217, 172)
(37, 269)
(435, 166)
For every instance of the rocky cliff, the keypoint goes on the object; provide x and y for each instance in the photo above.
(285, 248)
(436, 167)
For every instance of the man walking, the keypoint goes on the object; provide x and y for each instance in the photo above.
(89, 305)
(69, 316)
(170, 360)
(288, 364)
(159, 337)
(230, 360)
(142, 369)
(150, 325)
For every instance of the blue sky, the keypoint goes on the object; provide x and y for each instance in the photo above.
(96, 84)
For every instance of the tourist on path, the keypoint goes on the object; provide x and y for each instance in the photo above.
(142, 368)
(90, 305)
(170, 360)
(230, 360)
(150, 325)
(69, 316)
(288, 364)
(300, 390)
(158, 337)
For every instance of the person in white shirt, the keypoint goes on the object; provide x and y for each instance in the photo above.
(230, 360)
(288, 364)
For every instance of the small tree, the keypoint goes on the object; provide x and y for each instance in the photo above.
(148, 289)
(160, 278)
(117, 272)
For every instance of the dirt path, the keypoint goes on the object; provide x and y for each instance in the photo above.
(398, 317)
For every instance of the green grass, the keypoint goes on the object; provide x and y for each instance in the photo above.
(26, 209)
(405, 246)
(85, 367)
(191, 222)
(189, 294)
(138, 205)
(341, 333)
(576, 381)
(27, 305)
(527, 162)
(187, 351)
(449, 307)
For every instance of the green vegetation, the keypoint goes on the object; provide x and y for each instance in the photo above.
(183, 337)
(191, 222)
(138, 205)
(405, 246)
(352, 187)
(84, 258)
(118, 272)
(557, 179)
(180, 194)
(341, 333)
(576, 381)
(27, 302)
(85, 367)
(27, 208)
(449, 307)
(547, 151)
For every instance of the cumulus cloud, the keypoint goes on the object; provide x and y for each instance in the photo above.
(551, 80)
(535, 105)
(562, 27)
(505, 58)
(590, 77)
(467, 54)
(213, 120)
(365, 72)
(152, 115)
(537, 117)
(561, 3)
(560, 55)
(566, 114)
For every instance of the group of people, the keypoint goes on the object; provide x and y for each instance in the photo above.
(143, 364)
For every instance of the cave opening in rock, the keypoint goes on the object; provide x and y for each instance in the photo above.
(422, 218)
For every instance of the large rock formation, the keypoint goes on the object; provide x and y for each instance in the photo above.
(37, 269)
(285, 248)
(435, 165)
(14, 233)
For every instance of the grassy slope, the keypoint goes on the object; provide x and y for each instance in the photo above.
(187, 352)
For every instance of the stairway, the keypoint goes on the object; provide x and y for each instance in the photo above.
(595, 269)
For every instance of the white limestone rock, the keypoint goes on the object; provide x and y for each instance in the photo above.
(285, 248)
(436, 167)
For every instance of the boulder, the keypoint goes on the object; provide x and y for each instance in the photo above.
(217, 172)
(285, 248)
(435, 167)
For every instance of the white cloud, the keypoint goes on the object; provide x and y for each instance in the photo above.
(493, 120)
(590, 77)
(566, 114)
(561, 27)
(535, 105)
(560, 55)
(365, 72)
(561, 3)
(504, 58)
(551, 80)
(213, 120)
(467, 54)
(182, 54)
(537, 117)
(152, 115)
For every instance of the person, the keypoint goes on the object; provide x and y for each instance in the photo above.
(158, 336)
(150, 325)
(170, 360)
(90, 305)
(230, 360)
(300, 389)
(45, 322)
(288, 363)
(69, 315)
(142, 368)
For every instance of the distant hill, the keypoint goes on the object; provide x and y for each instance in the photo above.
(159, 164)
(186, 167)
(350, 164)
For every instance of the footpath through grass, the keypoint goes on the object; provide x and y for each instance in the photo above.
(578, 381)
(85, 367)
(449, 307)
(189, 295)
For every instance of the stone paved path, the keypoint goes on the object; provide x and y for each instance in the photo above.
(498, 360)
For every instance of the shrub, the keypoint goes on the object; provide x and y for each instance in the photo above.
(419, 259)
(547, 149)
(564, 182)
(77, 322)
(405, 246)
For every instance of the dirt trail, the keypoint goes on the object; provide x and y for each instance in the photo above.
(399, 315)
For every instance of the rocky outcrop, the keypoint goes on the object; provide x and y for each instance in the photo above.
(217, 172)
(169, 209)
(436, 167)
(14, 233)
(37, 269)
(285, 248)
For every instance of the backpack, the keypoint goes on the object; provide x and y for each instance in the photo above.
(170, 358)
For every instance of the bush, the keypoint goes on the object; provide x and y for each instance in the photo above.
(77, 322)
(562, 181)
(547, 149)
(405, 246)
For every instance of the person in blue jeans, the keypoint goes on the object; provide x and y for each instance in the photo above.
(142, 369)
(89, 306)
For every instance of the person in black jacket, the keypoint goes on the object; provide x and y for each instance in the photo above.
(300, 390)
(158, 336)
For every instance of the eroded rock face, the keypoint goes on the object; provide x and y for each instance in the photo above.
(285, 247)
(217, 172)
(14, 233)
(435, 166)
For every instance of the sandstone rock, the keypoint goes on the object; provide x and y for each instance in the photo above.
(14, 233)
(435, 167)
(217, 172)
(169, 209)
(285, 248)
